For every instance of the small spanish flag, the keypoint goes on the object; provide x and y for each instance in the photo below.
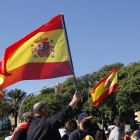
(1, 95)
(105, 87)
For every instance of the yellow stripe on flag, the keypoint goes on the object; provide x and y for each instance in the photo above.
(24, 53)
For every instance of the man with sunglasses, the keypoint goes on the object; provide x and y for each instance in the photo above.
(84, 122)
(20, 133)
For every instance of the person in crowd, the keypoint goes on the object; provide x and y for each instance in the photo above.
(100, 135)
(128, 133)
(69, 127)
(136, 135)
(46, 128)
(117, 132)
(80, 133)
(107, 135)
(20, 133)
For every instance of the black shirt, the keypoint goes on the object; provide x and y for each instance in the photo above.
(46, 128)
(21, 134)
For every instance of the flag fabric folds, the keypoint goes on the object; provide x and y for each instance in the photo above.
(42, 54)
(105, 87)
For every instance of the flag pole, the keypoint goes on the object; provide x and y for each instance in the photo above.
(69, 51)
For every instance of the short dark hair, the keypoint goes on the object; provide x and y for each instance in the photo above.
(38, 107)
(26, 115)
(118, 120)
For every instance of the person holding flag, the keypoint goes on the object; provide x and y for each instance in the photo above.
(47, 128)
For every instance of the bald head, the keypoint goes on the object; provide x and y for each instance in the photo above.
(38, 107)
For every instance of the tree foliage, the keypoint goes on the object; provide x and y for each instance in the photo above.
(123, 102)
(10, 104)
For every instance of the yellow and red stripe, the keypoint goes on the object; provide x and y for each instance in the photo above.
(105, 87)
(42, 54)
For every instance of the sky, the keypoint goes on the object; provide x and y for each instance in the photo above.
(100, 32)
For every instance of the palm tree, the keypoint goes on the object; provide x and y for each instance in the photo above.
(85, 84)
(4, 106)
(11, 104)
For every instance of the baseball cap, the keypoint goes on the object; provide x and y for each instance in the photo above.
(84, 116)
(128, 130)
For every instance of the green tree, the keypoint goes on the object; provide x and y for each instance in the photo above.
(4, 106)
(128, 94)
(107, 109)
(124, 101)
(56, 102)
(12, 102)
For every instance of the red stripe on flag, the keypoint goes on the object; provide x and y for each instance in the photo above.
(105, 94)
(34, 71)
(54, 24)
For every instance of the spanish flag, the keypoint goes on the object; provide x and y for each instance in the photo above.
(42, 54)
(105, 87)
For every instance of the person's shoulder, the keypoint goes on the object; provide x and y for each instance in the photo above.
(74, 133)
(115, 130)
(9, 137)
(77, 134)
(39, 120)
(21, 132)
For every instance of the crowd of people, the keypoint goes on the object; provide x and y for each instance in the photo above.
(40, 126)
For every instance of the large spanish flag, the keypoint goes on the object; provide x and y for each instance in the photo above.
(105, 87)
(42, 54)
